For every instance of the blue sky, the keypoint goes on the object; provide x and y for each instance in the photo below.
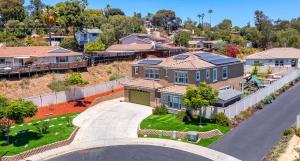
(239, 11)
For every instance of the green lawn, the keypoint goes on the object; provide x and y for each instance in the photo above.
(24, 137)
(169, 122)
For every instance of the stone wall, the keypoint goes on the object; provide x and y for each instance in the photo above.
(180, 135)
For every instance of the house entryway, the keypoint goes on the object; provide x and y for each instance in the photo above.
(139, 97)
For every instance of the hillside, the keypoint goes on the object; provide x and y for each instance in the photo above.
(37, 85)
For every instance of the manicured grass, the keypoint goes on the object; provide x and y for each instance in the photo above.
(24, 136)
(202, 142)
(169, 122)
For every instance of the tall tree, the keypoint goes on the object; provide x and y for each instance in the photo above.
(226, 24)
(210, 12)
(264, 25)
(166, 19)
(196, 98)
(35, 8)
(12, 10)
(49, 17)
(107, 11)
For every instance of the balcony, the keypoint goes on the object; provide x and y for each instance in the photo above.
(10, 69)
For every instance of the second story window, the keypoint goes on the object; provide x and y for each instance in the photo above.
(136, 70)
(152, 73)
(215, 74)
(198, 76)
(181, 77)
(224, 73)
(207, 74)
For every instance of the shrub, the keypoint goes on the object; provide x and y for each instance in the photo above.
(273, 96)
(160, 110)
(115, 76)
(108, 70)
(222, 119)
(245, 114)
(181, 115)
(58, 85)
(288, 131)
(258, 106)
(269, 70)
(96, 45)
(69, 43)
(76, 79)
(268, 100)
(42, 127)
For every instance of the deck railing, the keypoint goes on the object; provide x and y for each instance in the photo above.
(10, 69)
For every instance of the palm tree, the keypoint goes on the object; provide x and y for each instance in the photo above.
(199, 17)
(210, 13)
(49, 18)
(202, 17)
(107, 11)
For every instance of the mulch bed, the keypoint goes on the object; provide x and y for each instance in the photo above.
(76, 106)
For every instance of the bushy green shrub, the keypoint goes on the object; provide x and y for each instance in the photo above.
(258, 106)
(181, 115)
(76, 79)
(42, 127)
(222, 119)
(58, 85)
(273, 96)
(115, 76)
(288, 131)
(160, 110)
(69, 43)
(268, 100)
(245, 114)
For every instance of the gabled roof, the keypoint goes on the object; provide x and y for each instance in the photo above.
(36, 51)
(143, 83)
(276, 53)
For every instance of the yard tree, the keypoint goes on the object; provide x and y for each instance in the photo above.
(226, 24)
(196, 98)
(93, 18)
(19, 109)
(36, 8)
(182, 38)
(189, 24)
(116, 11)
(108, 36)
(166, 19)
(264, 25)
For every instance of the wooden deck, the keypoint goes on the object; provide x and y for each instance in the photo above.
(42, 67)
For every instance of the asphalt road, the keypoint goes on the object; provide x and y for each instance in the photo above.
(130, 153)
(253, 138)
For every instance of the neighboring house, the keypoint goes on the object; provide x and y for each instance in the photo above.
(140, 38)
(164, 80)
(197, 42)
(18, 60)
(87, 35)
(55, 39)
(276, 57)
(210, 46)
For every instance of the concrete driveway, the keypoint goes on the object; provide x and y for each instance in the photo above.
(110, 120)
(255, 137)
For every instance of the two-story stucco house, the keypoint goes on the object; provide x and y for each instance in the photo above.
(87, 35)
(276, 57)
(164, 80)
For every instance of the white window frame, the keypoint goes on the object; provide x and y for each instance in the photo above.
(207, 74)
(136, 70)
(198, 76)
(153, 74)
(226, 70)
(215, 74)
(181, 75)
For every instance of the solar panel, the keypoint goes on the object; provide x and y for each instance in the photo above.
(150, 62)
(216, 59)
(181, 57)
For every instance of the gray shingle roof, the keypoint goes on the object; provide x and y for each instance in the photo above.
(228, 94)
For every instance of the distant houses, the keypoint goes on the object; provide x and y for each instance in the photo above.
(276, 57)
(87, 35)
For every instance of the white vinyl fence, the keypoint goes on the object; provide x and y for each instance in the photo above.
(75, 93)
(256, 97)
